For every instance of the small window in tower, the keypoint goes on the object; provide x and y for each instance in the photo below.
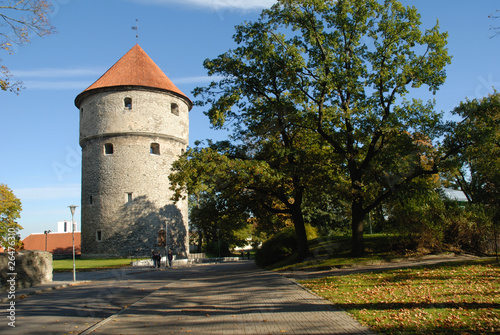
(174, 109)
(108, 149)
(91, 201)
(128, 103)
(98, 235)
(129, 197)
(81, 112)
(154, 149)
(183, 151)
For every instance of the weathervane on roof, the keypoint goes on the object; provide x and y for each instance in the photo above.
(136, 28)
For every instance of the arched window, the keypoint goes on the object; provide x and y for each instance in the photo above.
(174, 109)
(128, 103)
(108, 149)
(154, 149)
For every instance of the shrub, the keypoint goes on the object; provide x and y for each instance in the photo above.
(469, 229)
(281, 246)
(417, 222)
(278, 247)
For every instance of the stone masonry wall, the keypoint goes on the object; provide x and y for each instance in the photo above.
(31, 267)
(125, 193)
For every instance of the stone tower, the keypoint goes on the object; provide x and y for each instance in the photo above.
(134, 123)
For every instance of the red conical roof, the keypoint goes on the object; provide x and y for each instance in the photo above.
(135, 68)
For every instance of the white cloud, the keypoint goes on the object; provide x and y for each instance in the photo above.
(81, 85)
(57, 79)
(216, 4)
(49, 192)
(57, 73)
(56, 85)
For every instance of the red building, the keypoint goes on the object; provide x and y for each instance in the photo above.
(56, 243)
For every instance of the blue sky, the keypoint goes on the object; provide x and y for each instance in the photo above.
(39, 147)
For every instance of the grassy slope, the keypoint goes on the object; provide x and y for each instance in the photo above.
(457, 298)
(452, 298)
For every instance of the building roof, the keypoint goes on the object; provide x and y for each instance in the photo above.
(57, 243)
(455, 195)
(135, 68)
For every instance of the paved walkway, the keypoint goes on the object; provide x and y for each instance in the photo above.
(228, 298)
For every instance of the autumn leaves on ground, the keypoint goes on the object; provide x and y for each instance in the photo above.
(457, 298)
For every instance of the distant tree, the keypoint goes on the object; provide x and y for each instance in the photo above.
(476, 141)
(217, 219)
(342, 69)
(264, 175)
(10, 209)
(19, 21)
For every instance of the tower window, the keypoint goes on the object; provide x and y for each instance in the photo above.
(98, 235)
(108, 149)
(129, 197)
(91, 201)
(154, 149)
(174, 109)
(128, 103)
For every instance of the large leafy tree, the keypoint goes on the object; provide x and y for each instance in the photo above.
(261, 175)
(475, 139)
(10, 209)
(342, 69)
(19, 21)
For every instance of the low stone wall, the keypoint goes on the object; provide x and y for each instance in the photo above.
(197, 255)
(30, 267)
(186, 262)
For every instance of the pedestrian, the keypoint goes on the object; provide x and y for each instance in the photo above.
(242, 254)
(153, 257)
(170, 257)
(158, 259)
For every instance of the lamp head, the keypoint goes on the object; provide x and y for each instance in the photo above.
(72, 209)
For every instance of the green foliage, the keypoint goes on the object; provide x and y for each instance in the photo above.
(475, 141)
(468, 229)
(423, 221)
(474, 145)
(217, 221)
(277, 248)
(10, 211)
(217, 249)
(329, 80)
(280, 246)
(417, 222)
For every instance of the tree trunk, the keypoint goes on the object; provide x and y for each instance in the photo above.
(357, 217)
(300, 232)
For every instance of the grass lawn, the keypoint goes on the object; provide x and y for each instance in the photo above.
(456, 298)
(334, 252)
(63, 265)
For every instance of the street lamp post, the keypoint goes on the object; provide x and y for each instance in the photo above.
(46, 232)
(72, 209)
